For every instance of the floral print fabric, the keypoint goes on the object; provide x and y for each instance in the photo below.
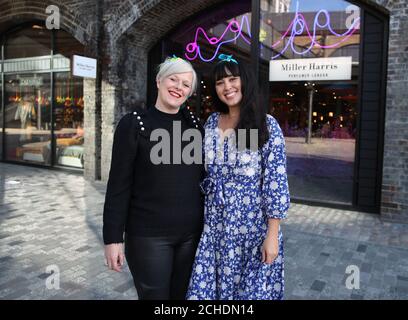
(243, 188)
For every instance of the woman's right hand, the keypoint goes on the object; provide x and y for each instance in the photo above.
(114, 256)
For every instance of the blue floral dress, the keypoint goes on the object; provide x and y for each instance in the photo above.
(242, 190)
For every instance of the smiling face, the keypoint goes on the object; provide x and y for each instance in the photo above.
(174, 90)
(229, 90)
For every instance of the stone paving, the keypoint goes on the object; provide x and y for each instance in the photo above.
(52, 218)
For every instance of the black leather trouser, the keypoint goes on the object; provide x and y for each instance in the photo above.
(161, 265)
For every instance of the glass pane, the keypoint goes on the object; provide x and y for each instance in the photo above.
(32, 41)
(65, 47)
(320, 168)
(66, 44)
(224, 29)
(69, 120)
(28, 121)
(1, 118)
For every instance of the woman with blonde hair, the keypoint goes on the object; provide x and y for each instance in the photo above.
(157, 205)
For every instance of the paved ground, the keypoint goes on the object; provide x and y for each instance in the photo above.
(322, 170)
(53, 218)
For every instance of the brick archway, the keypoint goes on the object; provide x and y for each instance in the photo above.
(146, 24)
(139, 20)
(17, 12)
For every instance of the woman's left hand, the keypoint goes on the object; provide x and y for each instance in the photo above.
(270, 249)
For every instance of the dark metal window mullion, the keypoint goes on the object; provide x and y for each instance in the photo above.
(3, 125)
(383, 105)
(255, 21)
(53, 139)
(356, 187)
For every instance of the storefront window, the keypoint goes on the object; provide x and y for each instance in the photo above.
(68, 105)
(66, 45)
(32, 41)
(28, 118)
(69, 120)
(32, 120)
(320, 152)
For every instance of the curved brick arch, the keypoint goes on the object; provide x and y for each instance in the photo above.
(133, 27)
(139, 20)
(17, 12)
(145, 24)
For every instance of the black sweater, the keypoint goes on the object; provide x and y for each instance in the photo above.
(149, 199)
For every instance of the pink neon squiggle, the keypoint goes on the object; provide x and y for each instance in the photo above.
(194, 48)
(299, 20)
(297, 27)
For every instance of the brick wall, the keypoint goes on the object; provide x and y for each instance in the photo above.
(395, 169)
(77, 17)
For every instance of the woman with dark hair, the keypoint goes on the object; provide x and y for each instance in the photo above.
(240, 254)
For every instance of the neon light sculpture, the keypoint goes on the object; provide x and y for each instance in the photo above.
(193, 49)
(296, 28)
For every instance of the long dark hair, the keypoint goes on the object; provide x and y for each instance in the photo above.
(252, 114)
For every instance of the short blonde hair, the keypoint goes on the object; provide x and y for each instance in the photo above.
(176, 65)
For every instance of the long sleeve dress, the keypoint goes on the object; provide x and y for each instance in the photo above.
(243, 189)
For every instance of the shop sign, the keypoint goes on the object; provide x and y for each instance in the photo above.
(318, 69)
(30, 81)
(83, 67)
